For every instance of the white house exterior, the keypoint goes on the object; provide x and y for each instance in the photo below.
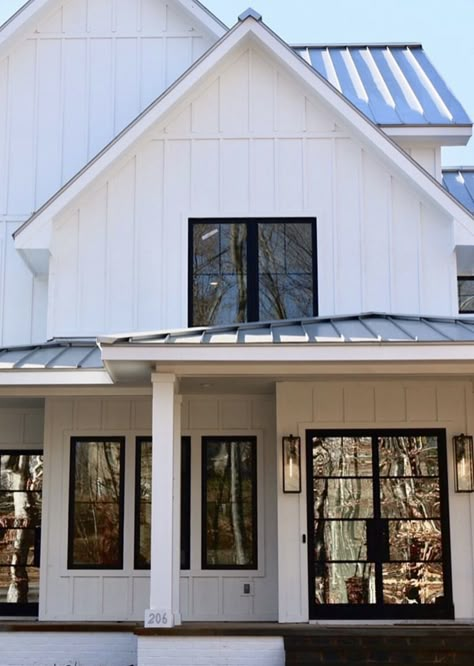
(208, 250)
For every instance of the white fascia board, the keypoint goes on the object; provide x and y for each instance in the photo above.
(205, 17)
(47, 377)
(285, 353)
(433, 134)
(255, 32)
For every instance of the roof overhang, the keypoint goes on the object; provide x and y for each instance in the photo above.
(132, 363)
(48, 377)
(442, 135)
(36, 232)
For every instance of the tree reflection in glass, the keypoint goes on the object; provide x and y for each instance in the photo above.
(95, 524)
(21, 479)
(229, 489)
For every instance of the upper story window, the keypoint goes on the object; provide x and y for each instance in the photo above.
(251, 270)
(466, 294)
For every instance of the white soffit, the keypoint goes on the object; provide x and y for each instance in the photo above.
(247, 31)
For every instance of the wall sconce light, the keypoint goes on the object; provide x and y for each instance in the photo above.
(464, 463)
(291, 464)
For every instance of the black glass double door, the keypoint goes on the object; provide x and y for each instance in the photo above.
(378, 525)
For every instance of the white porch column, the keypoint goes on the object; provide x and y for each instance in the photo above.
(164, 609)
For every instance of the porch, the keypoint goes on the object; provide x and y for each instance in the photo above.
(213, 644)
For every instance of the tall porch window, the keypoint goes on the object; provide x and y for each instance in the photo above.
(96, 503)
(143, 488)
(229, 503)
(251, 270)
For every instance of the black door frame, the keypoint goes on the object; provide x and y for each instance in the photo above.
(29, 609)
(379, 610)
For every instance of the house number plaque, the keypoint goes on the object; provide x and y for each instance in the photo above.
(159, 619)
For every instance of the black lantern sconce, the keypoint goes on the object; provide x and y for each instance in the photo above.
(464, 463)
(291, 464)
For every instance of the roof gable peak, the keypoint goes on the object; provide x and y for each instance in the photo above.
(250, 13)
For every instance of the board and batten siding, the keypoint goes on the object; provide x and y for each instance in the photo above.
(66, 90)
(125, 594)
(397, 404)
(249, 142)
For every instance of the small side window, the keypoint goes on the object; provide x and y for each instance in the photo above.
(229, 503)
(466, 294)
(96, 503)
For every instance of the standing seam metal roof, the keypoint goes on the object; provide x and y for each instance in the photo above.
(459, 181)
(55, 355)
(392, 84)
(365, 328)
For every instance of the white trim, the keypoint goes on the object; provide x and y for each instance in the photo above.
(204, 16)
(252, 32)
(458, 135)
(287, 353)
(54, 377)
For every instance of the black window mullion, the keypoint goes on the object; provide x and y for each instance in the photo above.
(253, 280)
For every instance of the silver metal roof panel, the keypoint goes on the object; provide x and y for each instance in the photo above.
(53, 355)
(391, 84)
(364, 328)
(460, 183)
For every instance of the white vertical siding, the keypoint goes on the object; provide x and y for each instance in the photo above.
(371, 404)
(380, 245)
(82, 75)
(88, 594)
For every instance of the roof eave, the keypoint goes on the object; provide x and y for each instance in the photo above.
(442, 135)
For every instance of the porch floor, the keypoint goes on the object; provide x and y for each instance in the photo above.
(315, 629)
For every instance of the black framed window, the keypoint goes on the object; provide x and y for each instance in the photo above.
(466, 294)
(96, 495)
(251, 270)
(143, 490)
(229, 503)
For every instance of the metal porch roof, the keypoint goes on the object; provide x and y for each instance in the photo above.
(366, 328)
(392, 84)
(459, 181)
(57, 355)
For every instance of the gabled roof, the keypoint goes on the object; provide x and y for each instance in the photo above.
(459, 181)
(34, 10)
(254, 31)
(392, 84)
(365, 328)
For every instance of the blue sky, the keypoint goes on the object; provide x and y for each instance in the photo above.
(446, 30)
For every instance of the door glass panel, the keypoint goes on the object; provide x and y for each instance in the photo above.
(342, 456)
(408, 456)
(412, 583)
(21, 477)
(378, 535)
(346, 583)
(340, 540)
(409, 498)
(343, 498)
(413, 540)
